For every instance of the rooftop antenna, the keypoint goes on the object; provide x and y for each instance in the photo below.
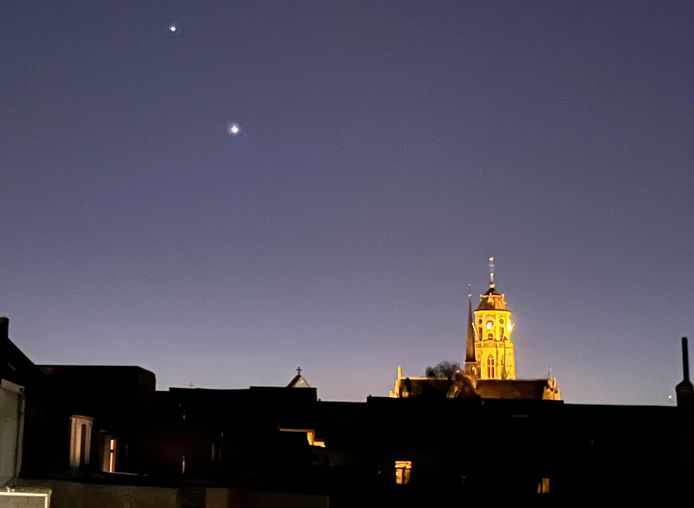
(491, 272)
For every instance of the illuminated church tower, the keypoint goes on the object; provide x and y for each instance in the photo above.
(489, 331)
(489, 370)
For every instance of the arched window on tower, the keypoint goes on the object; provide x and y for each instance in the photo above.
(491, 370)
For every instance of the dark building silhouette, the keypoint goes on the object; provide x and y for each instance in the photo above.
(106, 427)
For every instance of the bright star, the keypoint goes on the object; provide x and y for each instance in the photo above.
(234, 129)
(172, 28)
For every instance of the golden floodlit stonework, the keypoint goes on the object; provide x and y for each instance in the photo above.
(489, 369)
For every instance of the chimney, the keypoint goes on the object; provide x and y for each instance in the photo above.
(4, 335)
(4, 328)
(685, 390)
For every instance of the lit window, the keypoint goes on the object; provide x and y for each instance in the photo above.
(111, 455)
(108, 462)
(310, 436)
(80, 440)
(403, 470)
(491, 369)
(313, 441)
(543, 486)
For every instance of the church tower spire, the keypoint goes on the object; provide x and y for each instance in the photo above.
(472, 366)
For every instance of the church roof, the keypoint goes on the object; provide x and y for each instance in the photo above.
(298, 381)
(524, 389)
(425, 387)
(491, 291)
(533, 389)
(492, 300)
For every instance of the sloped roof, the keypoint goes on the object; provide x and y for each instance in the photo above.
(533, 389)
(525, 389)
(492, 300)
(425, 386)
(299, 381)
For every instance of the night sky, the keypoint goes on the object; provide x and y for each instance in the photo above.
(384, 150)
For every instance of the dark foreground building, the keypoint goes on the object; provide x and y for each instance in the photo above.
(103, 436)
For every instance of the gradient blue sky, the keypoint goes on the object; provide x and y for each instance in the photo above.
(387, 149)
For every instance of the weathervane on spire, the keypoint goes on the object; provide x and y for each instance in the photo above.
(491, 272)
